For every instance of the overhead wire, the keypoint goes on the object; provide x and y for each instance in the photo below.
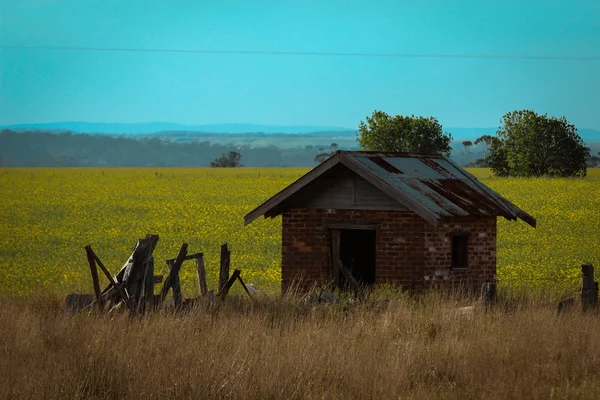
(314, 53)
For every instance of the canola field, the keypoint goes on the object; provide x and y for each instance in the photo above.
(48, 216)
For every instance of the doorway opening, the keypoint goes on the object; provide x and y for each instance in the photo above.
(357, 251)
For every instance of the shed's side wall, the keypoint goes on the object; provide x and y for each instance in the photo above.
(482, 252)
(410, 252)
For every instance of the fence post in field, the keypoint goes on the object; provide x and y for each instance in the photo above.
(95, 280)
(173, 276)
(201, 274)
(589, 288)
(114, 284)
(225, 289)
(225, 262)
(176, 286)
(488, 294)
(245, 287)
(149, 285)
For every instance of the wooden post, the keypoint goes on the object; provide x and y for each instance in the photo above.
(120, 290)
(488, 294)
(210, 297)
(224, 270)
(95, 280)
(176, 285)
(201, 274)
(353, 283)
(245, 287)
(589, 288)
(141, 297)
(135, 271)
(133, 274)
(149, 284)
(225, 289)
(173, 272)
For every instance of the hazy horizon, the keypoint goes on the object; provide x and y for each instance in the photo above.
(332, 128)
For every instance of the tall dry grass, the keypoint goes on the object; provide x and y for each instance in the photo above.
(281, 349)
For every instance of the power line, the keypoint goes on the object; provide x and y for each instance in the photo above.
(312, 53)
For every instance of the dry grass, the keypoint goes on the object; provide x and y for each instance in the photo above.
(280, 349)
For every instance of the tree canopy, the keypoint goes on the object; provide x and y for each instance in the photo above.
(383, 132)
(483, 143)
(528, 144)
(228, 160)
(324, 155)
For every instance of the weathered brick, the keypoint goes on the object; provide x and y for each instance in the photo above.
(409, 250)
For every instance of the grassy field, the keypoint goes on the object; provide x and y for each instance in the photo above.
(279, 349)
(47, 216)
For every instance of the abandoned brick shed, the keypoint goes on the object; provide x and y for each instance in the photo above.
(417, 220)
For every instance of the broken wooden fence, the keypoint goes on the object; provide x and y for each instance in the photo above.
(134, 285)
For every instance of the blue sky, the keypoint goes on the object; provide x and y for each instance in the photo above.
(49, 85)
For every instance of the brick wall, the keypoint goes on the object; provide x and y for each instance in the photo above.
(481, 256)
(410, 252)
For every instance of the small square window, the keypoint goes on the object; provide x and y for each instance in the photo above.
(460, 250)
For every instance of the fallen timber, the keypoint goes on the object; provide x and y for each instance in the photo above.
(133, 286)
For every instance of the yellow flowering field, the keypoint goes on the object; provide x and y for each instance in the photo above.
(567, 233)
(48, 215)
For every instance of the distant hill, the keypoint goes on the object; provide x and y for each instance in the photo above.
(152, 127)
(173, 130)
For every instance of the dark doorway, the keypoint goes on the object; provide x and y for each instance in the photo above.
(357, 252)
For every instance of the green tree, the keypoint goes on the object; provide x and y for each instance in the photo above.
(323, 155)
(528, 144)
(485, 141)
(383, 132)
(227, 160)
(497, 159)
(467, 145)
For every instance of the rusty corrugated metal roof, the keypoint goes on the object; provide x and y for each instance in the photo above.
(429, 184)
(438, 184)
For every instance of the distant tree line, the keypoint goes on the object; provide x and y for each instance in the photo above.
(409, 133)
(44, 149)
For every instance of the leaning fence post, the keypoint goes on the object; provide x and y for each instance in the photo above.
(117, 286)
(589, 288)
(225, 289)
(95, 279)
(488, 294)
(176, 286)
(358, 293)
(173, 273)
(225, 262)
(201, 274)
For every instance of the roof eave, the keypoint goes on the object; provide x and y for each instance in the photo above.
(289, 190)
(528, 219)
(508, 206)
